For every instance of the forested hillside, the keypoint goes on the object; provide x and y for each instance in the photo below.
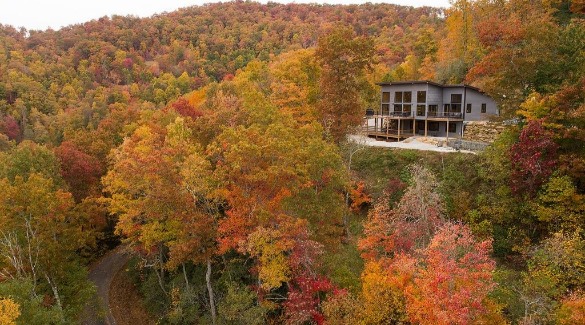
(212, 142)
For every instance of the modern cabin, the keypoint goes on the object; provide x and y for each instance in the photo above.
(427, 108)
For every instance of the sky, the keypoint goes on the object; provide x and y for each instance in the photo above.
(42, 14)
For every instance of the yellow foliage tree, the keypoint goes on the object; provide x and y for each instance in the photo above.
(9, 311)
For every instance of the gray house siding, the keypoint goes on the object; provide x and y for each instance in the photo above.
(434, 96)
(454, 98)
(476, 99)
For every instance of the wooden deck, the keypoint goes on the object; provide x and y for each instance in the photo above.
(387, 134)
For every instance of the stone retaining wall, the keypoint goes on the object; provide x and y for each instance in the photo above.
(467, 145)
(482, 131)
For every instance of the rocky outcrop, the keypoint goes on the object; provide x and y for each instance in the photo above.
(482, 131)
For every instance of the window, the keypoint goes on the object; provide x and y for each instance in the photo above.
(433, 110)
(452, 127)
(385, 109)
(406, 108)
(456, 98)
(398, 97)
(447, 108)
(398, 107)
(407, 97)
(468, 110)
(483, 108)
(420, 110)
(455, 103)
(421, 96)
(385, 97)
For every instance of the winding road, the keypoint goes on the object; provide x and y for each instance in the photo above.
(101, 274)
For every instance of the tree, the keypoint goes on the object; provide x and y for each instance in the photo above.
(240, 306)
(460, 49)
(572, 310)
(555, 268)
(268, 169)
(383, 284)
(79, 170)
(295, 87)
(32, 309)
(559, 206)
(341, 308)
(9, 126)
(453, 279)
(28, 158)
(39, 239)
(159, 184)
(344, 59)
(408, 226)
(533, 159)
(9, 311)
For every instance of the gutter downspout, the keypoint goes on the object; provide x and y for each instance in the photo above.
(464, 109)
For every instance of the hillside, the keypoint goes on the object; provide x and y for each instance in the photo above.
(211, 141)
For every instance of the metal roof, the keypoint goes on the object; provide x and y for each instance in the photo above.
(418, 82)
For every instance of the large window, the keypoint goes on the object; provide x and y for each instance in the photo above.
(385, 97)
(385, 109)
(483, 108)
(421, 96)
(456, 100)
(402, 97)
(420, 110)
(398, 97)
(406, 108)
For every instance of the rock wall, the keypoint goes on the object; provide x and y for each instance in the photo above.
(482, 131)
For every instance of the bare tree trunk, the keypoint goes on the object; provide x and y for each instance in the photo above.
(210, 291)
(187, 285)
(30, 235)
(160, 275)
(353, 147)
(186, 278)
(56, 294)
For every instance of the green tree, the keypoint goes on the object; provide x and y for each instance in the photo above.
(40, 236)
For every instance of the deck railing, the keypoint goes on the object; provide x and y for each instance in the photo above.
(456, 115)
(372, 130)
(398, 114)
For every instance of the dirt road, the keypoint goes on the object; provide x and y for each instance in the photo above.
(101, 274)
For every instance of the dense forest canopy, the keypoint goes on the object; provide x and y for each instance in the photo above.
(212, 142)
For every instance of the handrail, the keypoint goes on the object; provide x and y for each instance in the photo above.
(445, 114)
(398, 114)
(384, 130)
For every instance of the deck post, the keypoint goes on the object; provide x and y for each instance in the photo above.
(399, 129)
(426, 126)
(447, 141)
(413, 127)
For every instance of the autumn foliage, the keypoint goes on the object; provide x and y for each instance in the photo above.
(208, 141)
(533, 158)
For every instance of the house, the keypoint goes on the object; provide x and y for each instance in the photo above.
(427, 108)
